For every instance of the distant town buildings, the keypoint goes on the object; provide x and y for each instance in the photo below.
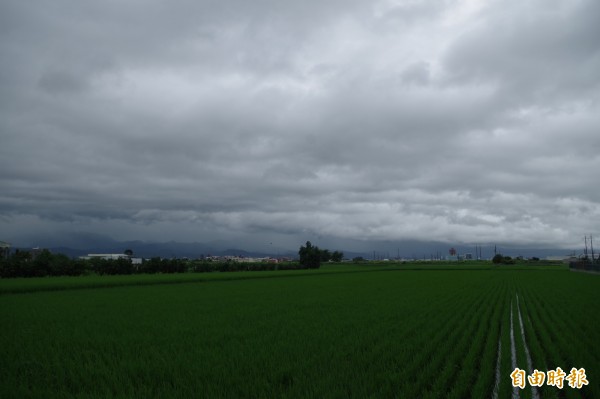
(243, 259)
(105, 256)
(135, 261)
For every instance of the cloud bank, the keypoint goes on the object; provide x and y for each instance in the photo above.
(457, 121)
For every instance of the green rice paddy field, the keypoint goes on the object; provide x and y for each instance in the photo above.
(338, 332)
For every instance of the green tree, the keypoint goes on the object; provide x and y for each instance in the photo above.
(42, 264)
(152, 265)
(310, 256)
(325, 255)
(337, 256)
(24, 266)
(498, 258)
(59, 265)
(509, 261)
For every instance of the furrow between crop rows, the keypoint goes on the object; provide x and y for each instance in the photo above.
(505, 388)
(513, 350)
(501, 331)
(539, 354)
(534, 391)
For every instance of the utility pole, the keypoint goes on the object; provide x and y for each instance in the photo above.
(592, 247)
(585, 253)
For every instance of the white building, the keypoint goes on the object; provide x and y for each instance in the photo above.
(135, 261)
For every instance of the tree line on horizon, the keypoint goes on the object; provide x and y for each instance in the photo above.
(46, 263)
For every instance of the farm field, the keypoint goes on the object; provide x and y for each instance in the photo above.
(350, 331)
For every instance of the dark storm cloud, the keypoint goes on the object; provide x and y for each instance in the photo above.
(456, 121)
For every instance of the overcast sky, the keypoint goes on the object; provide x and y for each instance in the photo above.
(280, 121)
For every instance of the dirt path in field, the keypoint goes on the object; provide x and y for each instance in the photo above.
(534, 390)
(513, 351)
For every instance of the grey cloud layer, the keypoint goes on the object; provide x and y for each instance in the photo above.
(462, 121)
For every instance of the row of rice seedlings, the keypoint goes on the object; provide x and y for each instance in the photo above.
(432, 360)
(580, 315)
(485, 364)
(394, 353)
(63, 354)
(546, 334)
(147, 359)
(440, 364)
(533, 333)
(386, 350)
(286, 353)
(443, 353)
(62, 338)
(471, 349)
(388, 382)
(561, 318)
(555, 341)
(581, 304)
(466, 352)
(585, 309)
(398, 355)
(60, 283)
(565, 325)
(369, 342)
(314, 335)
(406, 334)
(245, 352)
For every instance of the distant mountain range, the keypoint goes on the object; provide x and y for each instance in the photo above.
(82, 243)
(404, 250)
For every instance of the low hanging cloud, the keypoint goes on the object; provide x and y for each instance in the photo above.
(461, 121)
